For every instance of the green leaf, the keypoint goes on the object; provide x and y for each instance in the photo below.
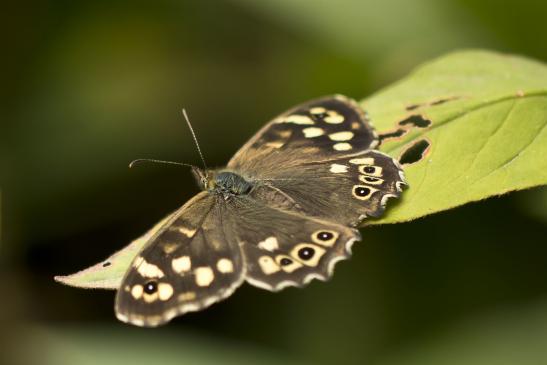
(487, 136)
(109, 273)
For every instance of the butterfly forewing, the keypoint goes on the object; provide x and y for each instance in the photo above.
(190, 264)
(319, 129)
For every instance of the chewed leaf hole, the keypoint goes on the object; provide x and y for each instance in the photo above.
(431, 103)
(398, 133)
(415, 153)
(416, 120)
(413, 107)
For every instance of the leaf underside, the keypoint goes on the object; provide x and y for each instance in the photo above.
(482, 117)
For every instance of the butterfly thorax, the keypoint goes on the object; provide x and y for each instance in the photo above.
(227, 183)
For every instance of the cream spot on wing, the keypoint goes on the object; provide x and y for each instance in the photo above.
(225, 266)
(169, 247)
(186, 296)
(268, 265)
(181, 264)
(362, 161)
(137, 321)
(165, 291)
(341, 136)
(285, 134)
(318, 110)
(148, 270)
(297, 119)
(122, 317)
(355, 125)
(338, 169)
(204, 275)
(187, 232)
(277, 144)
(149, 298)
(269, 244)
(136, 291)
(216, 244)
(309, 150)
(311, 132)
(154, 320)
(334, 118)
(138, 261)
(342, 146)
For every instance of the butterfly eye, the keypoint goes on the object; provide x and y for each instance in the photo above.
(370, 170)
(150, 287)
(324, 237)
(371, 180)
(285, 261)
(287, 264)
(362, 192)
(308, 254)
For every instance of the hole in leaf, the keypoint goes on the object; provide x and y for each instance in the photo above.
(441, 101)
(431, 103)
(413, 107)
(416, 121)
(390, 135)
(415, 152)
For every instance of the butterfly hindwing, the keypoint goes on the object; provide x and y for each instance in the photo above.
(343, 189)
(186, 267)
(283, 248)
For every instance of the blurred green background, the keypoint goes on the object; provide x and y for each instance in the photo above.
(90, 85)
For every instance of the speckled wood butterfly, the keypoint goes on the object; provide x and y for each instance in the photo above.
(283, 212)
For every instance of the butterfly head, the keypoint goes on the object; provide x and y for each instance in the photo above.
(202, 177)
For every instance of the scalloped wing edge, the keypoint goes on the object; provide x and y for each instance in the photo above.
(311, 276)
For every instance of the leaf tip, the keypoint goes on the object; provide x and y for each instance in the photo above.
(63, 279)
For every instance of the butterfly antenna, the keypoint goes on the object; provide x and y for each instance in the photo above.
(158, 161)
(194, 136)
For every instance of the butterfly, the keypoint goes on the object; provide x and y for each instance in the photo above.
(282, 212)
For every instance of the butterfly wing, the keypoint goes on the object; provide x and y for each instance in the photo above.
(283, 248)
(343, 189)
(189, 264)
(321, 128)
(321, 165)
